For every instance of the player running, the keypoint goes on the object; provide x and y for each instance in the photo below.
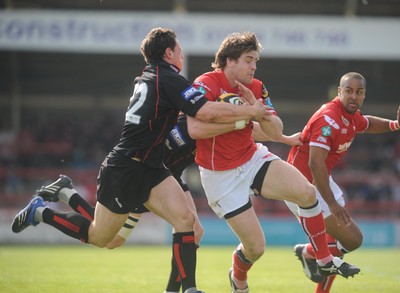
(233, 167)
(133, 176)
(327, 136)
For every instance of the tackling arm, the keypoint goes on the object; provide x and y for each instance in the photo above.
(226, 113)
(199, 130)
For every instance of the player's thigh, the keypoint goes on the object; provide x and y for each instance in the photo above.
(105, 225)
(285, 182)
(168, 201)
(349, 236)
(247, 228)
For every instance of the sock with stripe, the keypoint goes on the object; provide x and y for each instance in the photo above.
(184, 256)
(174, 281)
(312, 222)
(326, 285)
(335, 248)
(72, 198)
(72, 224)
(81, 206)
(241, 265)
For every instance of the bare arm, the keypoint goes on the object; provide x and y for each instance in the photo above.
(226, 113)
(381, 125)
(273, 128)
(198, 129)
(260, 135)
(320, 174)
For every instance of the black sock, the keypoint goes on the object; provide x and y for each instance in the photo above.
(81, 206)
(174, 282)
(184, 255)
(72, 224)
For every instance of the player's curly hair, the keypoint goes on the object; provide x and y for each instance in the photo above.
(233, 46)
(156, 42)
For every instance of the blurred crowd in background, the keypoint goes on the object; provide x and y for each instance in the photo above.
(369, 173)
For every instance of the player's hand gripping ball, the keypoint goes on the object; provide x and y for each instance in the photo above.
(230, 98)
(236, 100)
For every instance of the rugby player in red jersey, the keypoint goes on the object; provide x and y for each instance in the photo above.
(326, 138)
(233, 166)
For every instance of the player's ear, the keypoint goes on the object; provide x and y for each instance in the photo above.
(168, 53)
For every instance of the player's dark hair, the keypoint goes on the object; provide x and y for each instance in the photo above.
(156, 42)
(233, 46)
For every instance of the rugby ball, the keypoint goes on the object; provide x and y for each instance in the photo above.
(230, 98)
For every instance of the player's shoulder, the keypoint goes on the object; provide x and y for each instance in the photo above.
(207, 82)
(210, 76)
(327, 114)
(259, 89)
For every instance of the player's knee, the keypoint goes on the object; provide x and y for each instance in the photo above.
(115, 243)
(254, 252)
(355, 242)
(98, 240)
(306, 195)
(183, 221)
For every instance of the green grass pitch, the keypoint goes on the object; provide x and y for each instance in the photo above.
(144, 269)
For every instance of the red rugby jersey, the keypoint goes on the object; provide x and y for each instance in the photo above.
(232, 149)
(331, 128)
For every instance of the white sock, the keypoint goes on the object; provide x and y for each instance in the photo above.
(65, 194)
(38, 214)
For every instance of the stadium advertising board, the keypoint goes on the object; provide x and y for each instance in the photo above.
(122, 32)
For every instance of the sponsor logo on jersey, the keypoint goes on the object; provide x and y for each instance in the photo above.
(326, 131)
(321, 139)
(344, 147)
(202, 90)
(331, 122)
(190, 92)
(345, 121)
(204, 87)
(177, 136)
(343, 130)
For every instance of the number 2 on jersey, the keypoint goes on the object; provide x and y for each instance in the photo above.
(136, 102)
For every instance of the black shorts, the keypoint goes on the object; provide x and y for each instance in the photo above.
(182, 183)
(123, 184)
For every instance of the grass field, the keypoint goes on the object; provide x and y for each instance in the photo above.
(141, 269)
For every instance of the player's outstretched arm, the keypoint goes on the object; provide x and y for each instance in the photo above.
(381, 125)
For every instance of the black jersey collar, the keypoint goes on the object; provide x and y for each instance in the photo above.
(166, 64)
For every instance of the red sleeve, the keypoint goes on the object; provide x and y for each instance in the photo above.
(208, 86)
(361, 122)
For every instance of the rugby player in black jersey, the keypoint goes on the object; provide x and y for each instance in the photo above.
(133, 178)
